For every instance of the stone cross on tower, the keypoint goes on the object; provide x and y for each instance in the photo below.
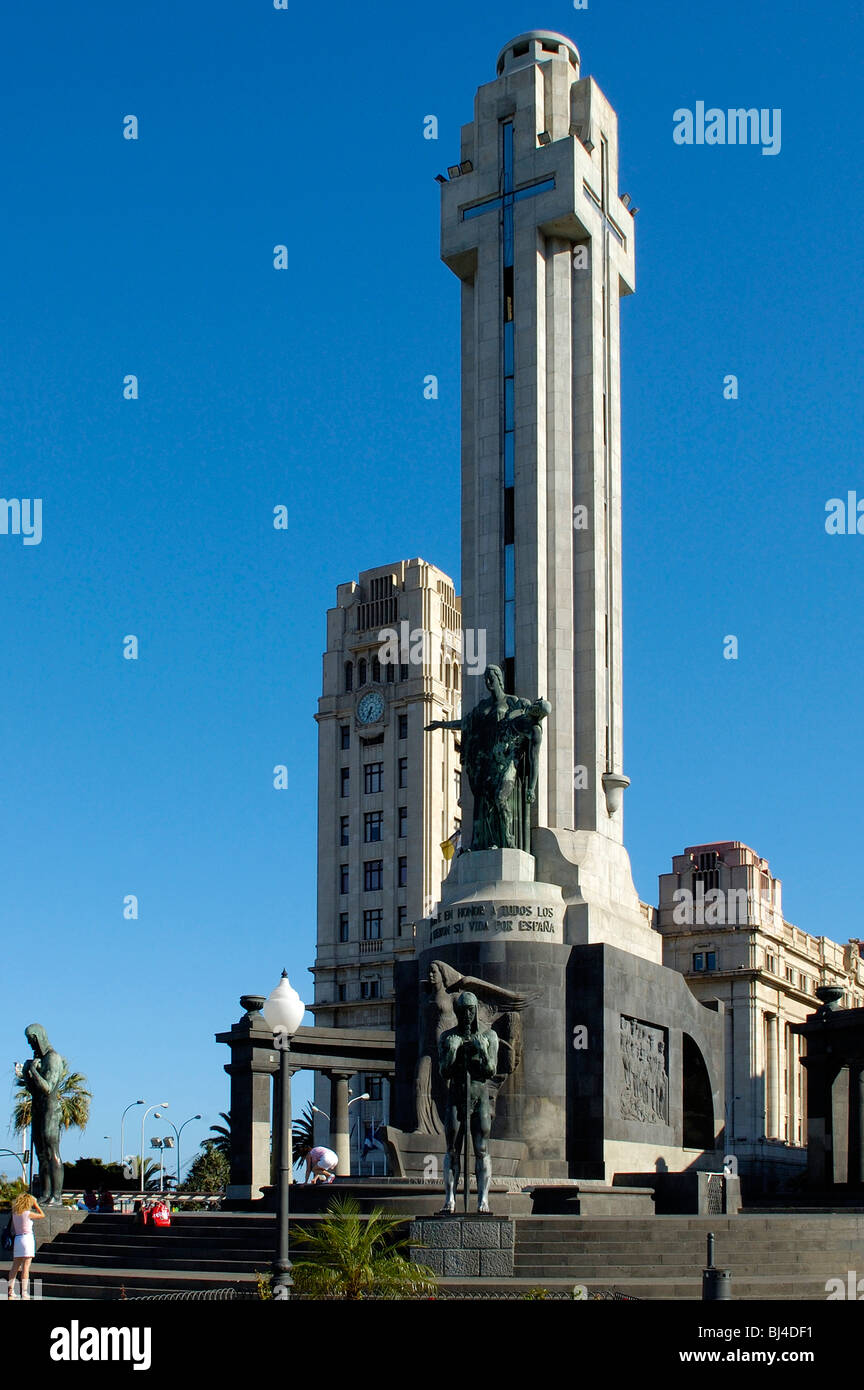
(535, 230)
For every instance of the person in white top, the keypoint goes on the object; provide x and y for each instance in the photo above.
(321, 1164)
(25, 1210)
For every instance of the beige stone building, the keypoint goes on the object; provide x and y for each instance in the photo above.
(721, 918)
(388, 797)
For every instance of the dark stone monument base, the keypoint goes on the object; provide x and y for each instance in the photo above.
(592, 1199)
(421, 1156)
(620, 1066)
(689, 1194)
(475, 1246)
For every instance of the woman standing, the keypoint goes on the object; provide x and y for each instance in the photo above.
(25, 1209)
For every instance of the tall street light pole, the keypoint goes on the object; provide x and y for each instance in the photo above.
(283, 1012)
(177, 1133)
(164, 1105)
(122, 1122)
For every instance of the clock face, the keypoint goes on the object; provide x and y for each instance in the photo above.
(370, 708)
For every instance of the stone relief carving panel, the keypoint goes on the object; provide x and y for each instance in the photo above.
(645, 1061)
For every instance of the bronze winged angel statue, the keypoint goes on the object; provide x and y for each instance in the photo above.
(499, 1009)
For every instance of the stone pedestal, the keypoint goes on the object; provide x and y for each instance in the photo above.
(465, 1247)
(614, 1065)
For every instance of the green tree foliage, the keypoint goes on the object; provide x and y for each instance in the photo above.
(303, 1135)
(355, 1257)
(209, 1170)
(11, 1188)
(93, 1173)
(223, 1143)
(74, 1102)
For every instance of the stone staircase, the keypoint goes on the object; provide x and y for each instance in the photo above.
(110, 1256)
(771, 1256)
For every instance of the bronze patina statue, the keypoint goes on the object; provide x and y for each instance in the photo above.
(467, 1059)
(42, 1075)
(498, 1008)
(500, 753)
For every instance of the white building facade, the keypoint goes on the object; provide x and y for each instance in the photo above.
(721, 918)
(388, 798)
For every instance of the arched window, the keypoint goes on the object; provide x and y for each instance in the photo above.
(349, 675)
(376, 670)
(447, 674)
(361, 673)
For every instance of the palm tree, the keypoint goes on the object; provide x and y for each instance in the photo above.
(74, 1102)
(303, 1135)
(358, 1257)
(222, 1145)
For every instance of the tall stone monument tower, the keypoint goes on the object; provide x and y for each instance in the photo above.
(544, 247)
(607, 1064)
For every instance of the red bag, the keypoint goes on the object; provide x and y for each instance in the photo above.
(161, 1214)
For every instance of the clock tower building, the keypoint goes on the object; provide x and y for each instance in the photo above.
(388, 797)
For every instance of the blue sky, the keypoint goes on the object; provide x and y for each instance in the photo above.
(305, 387)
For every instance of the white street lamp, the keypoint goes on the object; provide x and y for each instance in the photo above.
(122, 1121)
(283, 1012)
(164, 1105)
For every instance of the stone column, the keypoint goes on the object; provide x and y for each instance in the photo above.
(252, 1062)
(772, 1097)
(857, 1174)
(339, 1134)
(277, 1089)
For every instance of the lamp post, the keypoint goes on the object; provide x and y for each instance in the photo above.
(283, 1012)
(20, 1159)
(122, 1122)
(177, 1133)
(319, 1111)
(108, 1137)
(164, 1105)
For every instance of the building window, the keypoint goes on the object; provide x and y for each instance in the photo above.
(373, 777)
(343, 926)
(403, 822)
(344, 781)
(790, 974)
(403, 671)
(372, 924)
(401, 920)
(373, 875)
(403, 772)
(370, 989)
(457, 786)
(388, 673)
(349, 676)
(403, 871)
(698, 960)
(343, 878)
(373, 823)
(361, 673)
(710, 960)
(376, 670)
(344, 823)
(403, 726)
(344, 736)
(373, 1087)
(341, 993)
(770, 964)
